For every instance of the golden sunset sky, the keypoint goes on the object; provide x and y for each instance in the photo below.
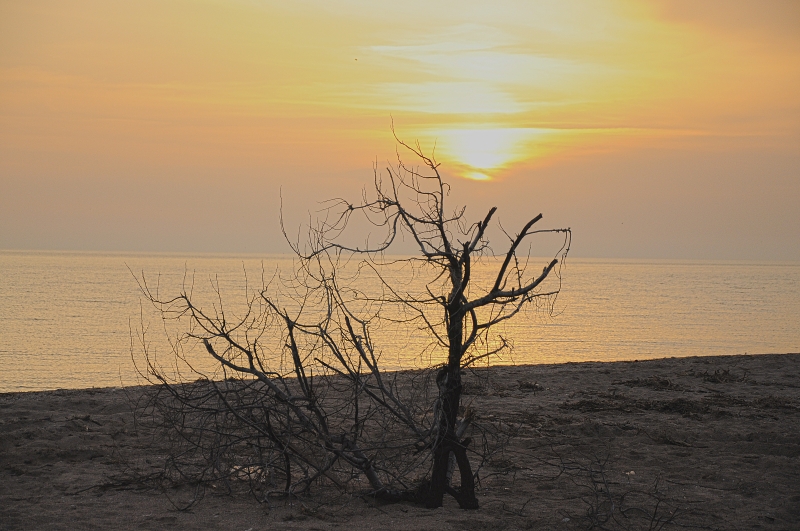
(654, 128)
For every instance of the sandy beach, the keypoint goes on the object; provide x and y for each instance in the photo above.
(699, 443)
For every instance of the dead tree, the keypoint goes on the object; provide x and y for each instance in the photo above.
(301, 400)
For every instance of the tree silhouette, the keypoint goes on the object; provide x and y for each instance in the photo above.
(303, 400)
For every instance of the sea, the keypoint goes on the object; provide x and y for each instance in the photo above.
(80, 320)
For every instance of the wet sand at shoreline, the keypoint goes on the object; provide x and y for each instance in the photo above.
(701, 442)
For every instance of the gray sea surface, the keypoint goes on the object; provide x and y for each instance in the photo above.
(74, 319)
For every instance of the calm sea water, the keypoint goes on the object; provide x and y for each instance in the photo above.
(66, 318)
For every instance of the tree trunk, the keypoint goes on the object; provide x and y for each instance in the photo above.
(447, 441)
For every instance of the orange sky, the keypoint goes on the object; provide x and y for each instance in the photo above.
(654, 128)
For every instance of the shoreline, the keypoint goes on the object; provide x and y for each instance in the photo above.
(697, 441)
(499, 366)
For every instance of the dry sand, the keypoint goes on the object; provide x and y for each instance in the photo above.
(702, 443)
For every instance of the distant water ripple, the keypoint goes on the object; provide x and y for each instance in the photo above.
(65, 318)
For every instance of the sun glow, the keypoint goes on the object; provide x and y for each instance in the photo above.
(259, 84)
(482, 151)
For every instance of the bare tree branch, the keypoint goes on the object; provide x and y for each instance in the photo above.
(303, 398)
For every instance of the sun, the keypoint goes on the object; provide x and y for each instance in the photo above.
(482, 152)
